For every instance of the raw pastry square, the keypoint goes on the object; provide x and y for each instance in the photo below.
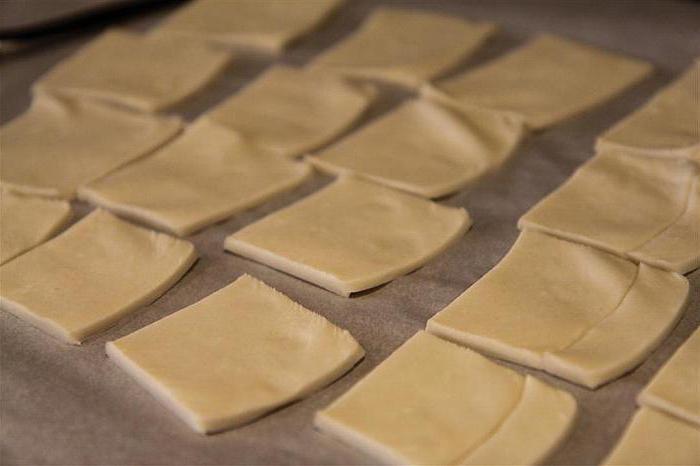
(291, 111)
(577, 312)
(676, 387)
(91, 275)
(433, 402)
(148, 73)
(236, 355)
(351, 236)
(405, 46)
(547, 80)
(644, 208)
(61, 144)
(426, 147)
(268, 25)
(656, 439)
(28, 221)
(208, 174)
(666, 126)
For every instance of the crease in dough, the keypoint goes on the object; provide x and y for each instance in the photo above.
(547, 80)
(666, 126)
(267, 25)
(646, 209)
(291, 111)
(26, 222)
(91, 275)
(206, 175)
(236, 355)
(351, 236)
(405, 46)
(427, 146)
(653, 438)
(675, 389)
(60, 144)
(577, 312)
(433, 402)
(144, 72)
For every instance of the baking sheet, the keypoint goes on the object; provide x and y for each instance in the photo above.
(61, 404)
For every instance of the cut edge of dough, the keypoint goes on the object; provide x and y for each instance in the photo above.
(687, 153)
(650, 400)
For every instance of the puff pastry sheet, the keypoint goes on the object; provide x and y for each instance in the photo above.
(291, 111)
(653, 438)
(142, 72)
(267, 25)
(426, 147)
(236, 355)
(433, 402)
(351, 236)
(644, 208)
(667, 126)
(405, 46)
(89, 276)
(61, 144)
(574, 311)
(26, 222)
(547, 80)
(676, 388)
(206, 175)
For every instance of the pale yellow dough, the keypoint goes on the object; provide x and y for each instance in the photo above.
(574, 311)
(676, 388)
(409, 47)
(547, 80)
(26, 222)
(655, 439)
(351, 236)
(433, 402)
(267, 25)
(236, 355)
(667, 126)
(61, 144)
(148, 73)
(291, 111)
(208, 174)
(91, 275)
(644, 208)
(426, 147)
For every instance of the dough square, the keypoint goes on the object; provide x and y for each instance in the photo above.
(145, 72)
(61, 144)
(433, 402)
(644, 208)
(268, 25)
(667, 126)
(206, 175)
(26, 222)
(291, 111)
(425, 147)
(405, 46)
(236, 355)
(577, 312)
(91, 275)
(547, 80)
(351, 235)
(675, 389)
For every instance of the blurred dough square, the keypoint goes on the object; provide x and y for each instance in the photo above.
(291, 111)
(61, 144)
(433, 402)
(91, 275)
(405, 46)
(148, 73)
(236, 355)
(206, 175)
(351, 235)
(547, 80)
